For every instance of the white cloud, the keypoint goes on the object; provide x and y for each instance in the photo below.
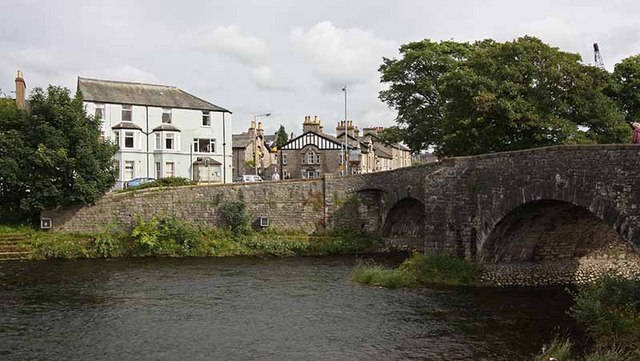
(229, 41)
(342, 56)
(265, 78)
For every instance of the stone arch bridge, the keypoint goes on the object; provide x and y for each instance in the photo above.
(538, 204)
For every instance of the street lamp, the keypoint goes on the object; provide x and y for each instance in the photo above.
(345, 159)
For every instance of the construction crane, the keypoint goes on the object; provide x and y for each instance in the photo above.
(597, 57)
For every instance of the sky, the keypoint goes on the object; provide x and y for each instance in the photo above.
(289, 58)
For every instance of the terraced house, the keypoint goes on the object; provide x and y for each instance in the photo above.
(161, 131)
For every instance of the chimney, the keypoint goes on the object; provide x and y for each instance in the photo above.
(312, 125)
(260, 129)
(21, 87)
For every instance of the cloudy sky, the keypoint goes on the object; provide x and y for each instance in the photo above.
(287, 57)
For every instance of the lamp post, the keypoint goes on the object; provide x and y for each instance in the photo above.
(346, 143)
(255, 155)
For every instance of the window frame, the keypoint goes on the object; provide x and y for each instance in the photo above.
(172, 137)
(132, 137)
(206, 115)
(99, 109)
(127, 109)
(169, 113)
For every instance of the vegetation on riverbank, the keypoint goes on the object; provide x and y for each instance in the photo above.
(419, 270)
(609, 312)
(169, 236)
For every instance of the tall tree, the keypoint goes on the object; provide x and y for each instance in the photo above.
(281, 137)
(54, 153)
(626, 75)
(501, 96)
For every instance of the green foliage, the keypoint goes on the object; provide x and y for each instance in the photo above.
(166, 235)
(626, 77)
(109, 245)
(51, 155)
(55, 245)
(234, 216)
(162, 182)
(488, 96)
(250, 164)
(560, 349)
(609, 310)
(281, 137)
(420, 270)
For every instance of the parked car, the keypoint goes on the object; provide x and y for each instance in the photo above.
(137, 181)
(249, 178)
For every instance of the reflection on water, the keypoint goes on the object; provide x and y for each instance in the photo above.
(247, 308)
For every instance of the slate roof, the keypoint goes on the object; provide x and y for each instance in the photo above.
(126, 125)
(380, 151)
(242, 140)
(165, 127)
(118, 92)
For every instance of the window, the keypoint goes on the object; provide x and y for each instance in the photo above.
(126, 113)
(116, 135)
(128, 139)
(158, 141)
(206, 119)
(313, 174)
(158, 173)
(128, 170)
(284, 159)
(285, 174)
(311, 157)
(99, 114)
(166, 115)
(169, 171)
(169, 140)
(317, 158)
(204, 145)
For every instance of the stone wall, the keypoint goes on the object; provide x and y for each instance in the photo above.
(294, 204)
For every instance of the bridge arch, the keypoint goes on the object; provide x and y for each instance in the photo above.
(404, 223)
(550, 229)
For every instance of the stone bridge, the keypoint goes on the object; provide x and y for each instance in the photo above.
(539, 204)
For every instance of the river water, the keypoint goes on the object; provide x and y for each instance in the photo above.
(258, 309)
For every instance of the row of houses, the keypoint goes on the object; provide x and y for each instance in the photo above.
(162, 131)
(314, 152)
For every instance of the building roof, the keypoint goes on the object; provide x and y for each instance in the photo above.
(380, 151)
(320, 140)
(165, 128)
(118, 92)
(243, 140)
(126, 125)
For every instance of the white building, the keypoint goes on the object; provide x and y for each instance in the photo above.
(161, 131)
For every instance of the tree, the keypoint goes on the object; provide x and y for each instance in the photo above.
(487, 97)
(626, 75)
(281, 137)
(51, 155)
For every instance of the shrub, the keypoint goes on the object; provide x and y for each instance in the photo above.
(110, 245)
(560, 349)
(234, 216)
(609, 310)
(145, 235)
(420, 270)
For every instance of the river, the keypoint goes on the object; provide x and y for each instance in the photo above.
(258, 309)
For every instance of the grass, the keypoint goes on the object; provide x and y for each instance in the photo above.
(609, 311)
(419, 270)
(168, 236)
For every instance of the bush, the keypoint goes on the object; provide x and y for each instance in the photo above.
(609, 310)
(560, 349)
(110, 245)
(420, 270)
(234, 216)
(162, 182)
(166, 235)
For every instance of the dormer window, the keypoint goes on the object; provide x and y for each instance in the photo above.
(166, 115)
(126, 113)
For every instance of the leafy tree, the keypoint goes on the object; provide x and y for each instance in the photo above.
(281, 137)
(626, 75)
(51, 155)
(487, 97)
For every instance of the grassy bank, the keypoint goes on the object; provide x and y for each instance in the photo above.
(419, 270)
(609, 312)
(172, 237)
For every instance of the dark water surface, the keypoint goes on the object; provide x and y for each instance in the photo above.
(255, 309)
